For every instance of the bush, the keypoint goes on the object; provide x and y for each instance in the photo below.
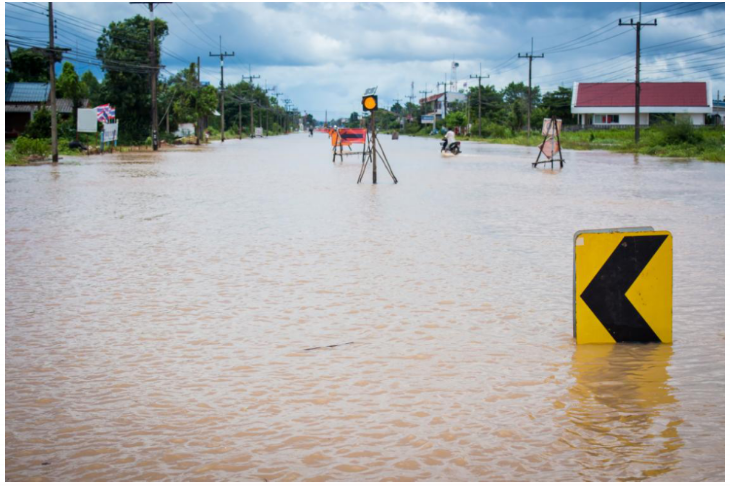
(678, 133)
(495, 130)
(40, 126)
(66, 128)
(26, 146)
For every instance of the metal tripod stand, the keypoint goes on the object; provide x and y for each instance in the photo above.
(372, 155)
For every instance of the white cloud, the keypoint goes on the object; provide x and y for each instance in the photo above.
(323, 56)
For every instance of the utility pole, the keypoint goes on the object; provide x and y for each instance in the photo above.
(154, 69)
(479, 77)
(268, 102)
(250, 83)
(55, 55)
(222, 55)
(425, 94)
(530, 56)
(239, 120)
(276, 94)
(200, 121)
(638, 25)
(52, 74)
(412, 96)
(445, 101)
(287, 104)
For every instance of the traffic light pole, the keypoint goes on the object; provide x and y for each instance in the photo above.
(374, 152)
(370, 104)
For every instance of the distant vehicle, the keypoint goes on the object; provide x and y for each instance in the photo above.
(452, 150)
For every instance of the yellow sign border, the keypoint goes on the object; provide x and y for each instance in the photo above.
(642, 295)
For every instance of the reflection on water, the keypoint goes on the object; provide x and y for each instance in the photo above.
(622, 411)
(168, 317)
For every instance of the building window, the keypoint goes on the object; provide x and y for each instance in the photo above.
(600, 119)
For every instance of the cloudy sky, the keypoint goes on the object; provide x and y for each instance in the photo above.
(323, 56)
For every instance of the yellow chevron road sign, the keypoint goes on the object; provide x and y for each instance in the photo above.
(622, 286)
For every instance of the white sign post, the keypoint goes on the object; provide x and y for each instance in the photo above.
(86, 121)
(111, 132)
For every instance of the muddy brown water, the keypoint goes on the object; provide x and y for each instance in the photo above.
(158, 308)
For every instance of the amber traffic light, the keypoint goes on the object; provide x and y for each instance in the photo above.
(370, 103)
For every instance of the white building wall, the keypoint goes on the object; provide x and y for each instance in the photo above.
(623, 119)
(628, 118)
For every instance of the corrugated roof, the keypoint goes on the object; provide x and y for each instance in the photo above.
(688, 94)
(63, 105)
(27, 92)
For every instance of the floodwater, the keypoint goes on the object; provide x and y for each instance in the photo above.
(159, 308)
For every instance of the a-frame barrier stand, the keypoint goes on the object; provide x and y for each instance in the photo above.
(552, 135)
(338, 148)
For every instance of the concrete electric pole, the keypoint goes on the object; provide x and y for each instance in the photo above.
(222, 55)
(637, 102)
(250, 78)
(154, 69)
(530, 56)
(479, 107)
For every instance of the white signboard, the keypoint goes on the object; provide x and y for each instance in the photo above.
(111, 132)
(86, 121)
(259, 132)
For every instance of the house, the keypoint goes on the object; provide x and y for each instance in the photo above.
(613, 104)
(718, 111)
(22, 100)
(434, 107)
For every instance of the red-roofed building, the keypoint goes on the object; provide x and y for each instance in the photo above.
(435, 108)
(612, 104)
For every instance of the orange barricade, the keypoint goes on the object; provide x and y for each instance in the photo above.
(353, 136)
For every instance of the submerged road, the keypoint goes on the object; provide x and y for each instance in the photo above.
(169, 316)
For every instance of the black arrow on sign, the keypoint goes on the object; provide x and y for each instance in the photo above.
(606, 294)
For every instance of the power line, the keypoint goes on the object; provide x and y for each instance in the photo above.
(194, 23)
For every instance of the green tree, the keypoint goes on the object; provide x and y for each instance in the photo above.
(69, 86)
(122, 49)
(93, 87)
(40, 126)
(516, 116)
(28, 66)
(537, 116)
(456, 119)
(191, 102)
(354, 120)
(397, 108)
(493, 106)
(558, 103)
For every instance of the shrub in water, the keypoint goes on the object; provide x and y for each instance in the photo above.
(40, 126)
(681, 132)
(25, 146)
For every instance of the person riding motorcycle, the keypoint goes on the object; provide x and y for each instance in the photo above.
(449, 140)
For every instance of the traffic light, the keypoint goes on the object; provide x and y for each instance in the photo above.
(370, 103)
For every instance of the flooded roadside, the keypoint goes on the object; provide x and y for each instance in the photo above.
(159, 308)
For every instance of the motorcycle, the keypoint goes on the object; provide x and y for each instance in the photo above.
(453, 149)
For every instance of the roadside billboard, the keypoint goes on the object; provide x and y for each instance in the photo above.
(86, 121)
